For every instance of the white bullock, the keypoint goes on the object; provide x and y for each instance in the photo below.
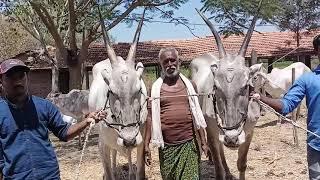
(118, 88)
(230, 114)
(279, 81)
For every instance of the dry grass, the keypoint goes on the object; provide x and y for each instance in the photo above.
(271, 156)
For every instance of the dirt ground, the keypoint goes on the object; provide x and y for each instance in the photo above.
(272, 155)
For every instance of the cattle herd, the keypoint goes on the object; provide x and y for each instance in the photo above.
(231, 115)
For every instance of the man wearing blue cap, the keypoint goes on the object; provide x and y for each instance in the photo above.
(25, 149)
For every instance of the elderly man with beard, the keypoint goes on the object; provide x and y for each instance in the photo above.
(176, 119)
(25, 148)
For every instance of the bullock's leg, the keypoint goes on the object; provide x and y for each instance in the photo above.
(262, 109)
(140, 174)
(131, 174)
(140, 163)
(210, 157)
(114, 162)
(214, 145)
(224, 163)
(242, 156)
(105, 155)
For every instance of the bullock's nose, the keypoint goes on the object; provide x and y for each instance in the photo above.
(230, 140)
(129, 143)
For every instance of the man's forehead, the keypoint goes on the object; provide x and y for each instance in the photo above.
(168, 54)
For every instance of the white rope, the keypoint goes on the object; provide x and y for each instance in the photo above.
(163, 97)
(270, 83)
(286, 119)
(260, 102)
(84, 146)
(284, 56)
(199, 94)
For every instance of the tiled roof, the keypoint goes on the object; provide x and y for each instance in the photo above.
(268, 44)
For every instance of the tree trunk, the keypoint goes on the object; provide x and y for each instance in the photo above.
(75, 70)
(61, 56)
(54, 79)
(75, 76)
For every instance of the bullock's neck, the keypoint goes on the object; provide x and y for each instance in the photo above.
(271, 88)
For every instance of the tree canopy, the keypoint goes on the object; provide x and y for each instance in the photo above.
(298, 15)
(286, 15)
(14, 39)
(235, 15)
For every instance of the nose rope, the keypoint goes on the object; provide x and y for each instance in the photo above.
(270, 82)
(260, 102)
(116, 126)
(164, 97)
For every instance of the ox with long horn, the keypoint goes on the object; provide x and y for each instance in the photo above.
(118, 88)
(230, 114)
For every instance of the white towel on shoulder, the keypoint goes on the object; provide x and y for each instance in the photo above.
(199, 121)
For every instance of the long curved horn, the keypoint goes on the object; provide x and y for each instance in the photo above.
(222, 52)
(111, 53)
(246, 40)
(133, 48)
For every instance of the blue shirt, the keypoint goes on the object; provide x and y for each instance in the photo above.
(26, 152)
(307, 85)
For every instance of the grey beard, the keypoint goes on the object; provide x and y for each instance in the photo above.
(174, 74)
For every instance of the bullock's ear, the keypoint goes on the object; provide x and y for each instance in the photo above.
(255, 68)
(139, 69)
(106, 76)
(254, 71)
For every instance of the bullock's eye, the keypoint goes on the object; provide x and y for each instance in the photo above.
(215, 88)
(243, 90)
(113, 95)
(136, 95)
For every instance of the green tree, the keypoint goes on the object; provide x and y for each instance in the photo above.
(287, 15)
(14, 39)
(297, 16)
(235, 15)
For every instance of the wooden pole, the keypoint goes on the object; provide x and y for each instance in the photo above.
(308, 61)
(294, 114)
(253, 61)
(254, 57)
(158, 70)
(87, 78)
(270, 61)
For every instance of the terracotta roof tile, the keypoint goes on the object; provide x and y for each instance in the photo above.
(269, 44)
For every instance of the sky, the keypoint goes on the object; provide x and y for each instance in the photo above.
(164, 31)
